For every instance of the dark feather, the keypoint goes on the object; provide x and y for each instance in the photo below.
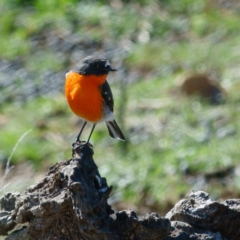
(93, 65)
(107, 95)
(114, 130)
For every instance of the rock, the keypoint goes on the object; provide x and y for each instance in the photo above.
(204, 86)
(71, 203)
(200, 212)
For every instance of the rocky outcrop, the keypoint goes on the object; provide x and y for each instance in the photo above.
(71, 203)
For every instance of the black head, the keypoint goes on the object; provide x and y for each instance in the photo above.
(93, 65)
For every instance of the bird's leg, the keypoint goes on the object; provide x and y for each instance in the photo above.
(78, 137)
(91, 133)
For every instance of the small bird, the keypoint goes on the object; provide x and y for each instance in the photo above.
(89, 95)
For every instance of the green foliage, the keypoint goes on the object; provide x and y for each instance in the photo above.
(40, 115)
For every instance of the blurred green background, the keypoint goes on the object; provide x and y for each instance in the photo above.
(175, 143)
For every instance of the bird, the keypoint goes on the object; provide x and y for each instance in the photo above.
(89, 95)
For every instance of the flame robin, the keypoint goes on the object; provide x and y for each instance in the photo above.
(89, 95)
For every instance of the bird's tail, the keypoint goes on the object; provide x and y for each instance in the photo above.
(114, 130)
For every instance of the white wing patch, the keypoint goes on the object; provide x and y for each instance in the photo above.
(108, 115)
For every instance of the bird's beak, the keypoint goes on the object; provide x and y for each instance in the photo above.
(111, 69)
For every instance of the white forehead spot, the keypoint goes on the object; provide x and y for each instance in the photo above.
(107, 64)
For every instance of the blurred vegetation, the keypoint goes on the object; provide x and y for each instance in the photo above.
(175, 143)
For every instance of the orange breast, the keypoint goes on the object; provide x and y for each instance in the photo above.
(84, 96)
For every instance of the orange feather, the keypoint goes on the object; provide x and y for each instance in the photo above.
(84, 95)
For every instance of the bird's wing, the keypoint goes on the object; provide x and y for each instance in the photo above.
(107, 95)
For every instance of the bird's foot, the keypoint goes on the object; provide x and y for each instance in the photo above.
(83, 143)
(81, 147)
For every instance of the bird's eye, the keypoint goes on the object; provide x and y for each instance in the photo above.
(95, 65)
